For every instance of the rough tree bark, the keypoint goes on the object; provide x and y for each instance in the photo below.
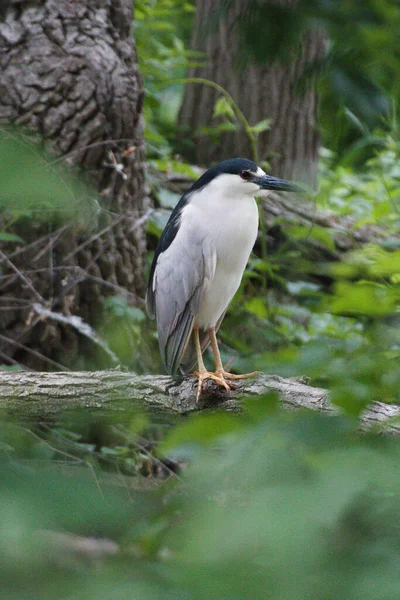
(107, 392)
(68, 71)
(291, 146)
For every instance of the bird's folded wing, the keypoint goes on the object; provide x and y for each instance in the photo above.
(181, 275)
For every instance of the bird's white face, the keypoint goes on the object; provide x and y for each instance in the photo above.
(246, 183)
(240, 182)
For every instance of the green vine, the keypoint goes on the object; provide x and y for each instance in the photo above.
(238, 113)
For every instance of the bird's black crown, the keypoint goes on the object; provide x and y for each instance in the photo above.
(233, 166)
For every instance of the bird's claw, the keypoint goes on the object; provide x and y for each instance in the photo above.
(217, 377)
(227, 375)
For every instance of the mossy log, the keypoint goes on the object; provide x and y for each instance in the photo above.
(40, 394)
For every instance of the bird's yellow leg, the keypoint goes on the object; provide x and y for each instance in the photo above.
(219, 368)
(202, 372)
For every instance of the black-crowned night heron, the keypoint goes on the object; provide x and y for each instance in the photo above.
(199, 263)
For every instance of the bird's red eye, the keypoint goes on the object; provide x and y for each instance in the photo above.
(245, 174)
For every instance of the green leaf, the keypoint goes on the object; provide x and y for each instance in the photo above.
(203, 430)
(216, 130)
(261, 126)
(135, 314)
(223, 108)
(323, 235)
(364, 298)
(258, 307)
(40, 186)
(10, 237)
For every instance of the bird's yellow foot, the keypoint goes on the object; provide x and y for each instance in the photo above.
(217, 377)
(225, 375)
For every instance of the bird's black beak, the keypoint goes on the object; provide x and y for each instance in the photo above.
(267, 182)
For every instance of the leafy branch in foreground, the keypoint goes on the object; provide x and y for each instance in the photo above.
(289, 506)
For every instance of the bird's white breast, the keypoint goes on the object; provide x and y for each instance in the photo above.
(230, 225)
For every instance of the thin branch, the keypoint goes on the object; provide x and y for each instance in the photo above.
(143, 449)
(113, 286)
(15, 308)
(22, 277)
(79, 324)
(94, 237)
(71, 456)
(43, 270)
(13, 299)
(64, 547)
(90, 146)
(51, 243)
(142, 220)
(80, 271)
(13, 361)
(34, 352)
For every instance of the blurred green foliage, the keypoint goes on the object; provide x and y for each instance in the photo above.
(273, 506)
(123, 330)
(60, 196)
(370, 194)
(162, 30)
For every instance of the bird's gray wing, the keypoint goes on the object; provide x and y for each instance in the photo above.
(181, 274)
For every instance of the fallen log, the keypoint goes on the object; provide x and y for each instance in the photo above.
(48, 394)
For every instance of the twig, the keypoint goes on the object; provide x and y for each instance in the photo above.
(31, 351)
(13, 361)
(12, 299)
(64, 547)
(79, 324)
(142, 220)
(113, 286)
(34, 243)
(137, 224)
(71, 456)
(94, 237)
(79, 271)
(90, 146)
(143, 449)
(116, 166)
(18, 307)
(51, 243)
(44, 269)
(22, 277)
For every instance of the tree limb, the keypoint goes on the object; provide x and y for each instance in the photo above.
(45, 394)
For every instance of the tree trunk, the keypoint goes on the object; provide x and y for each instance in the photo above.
(68, 71)
(48, 394)
(261, 92)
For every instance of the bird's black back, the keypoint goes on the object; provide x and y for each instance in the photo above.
(166, 239)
